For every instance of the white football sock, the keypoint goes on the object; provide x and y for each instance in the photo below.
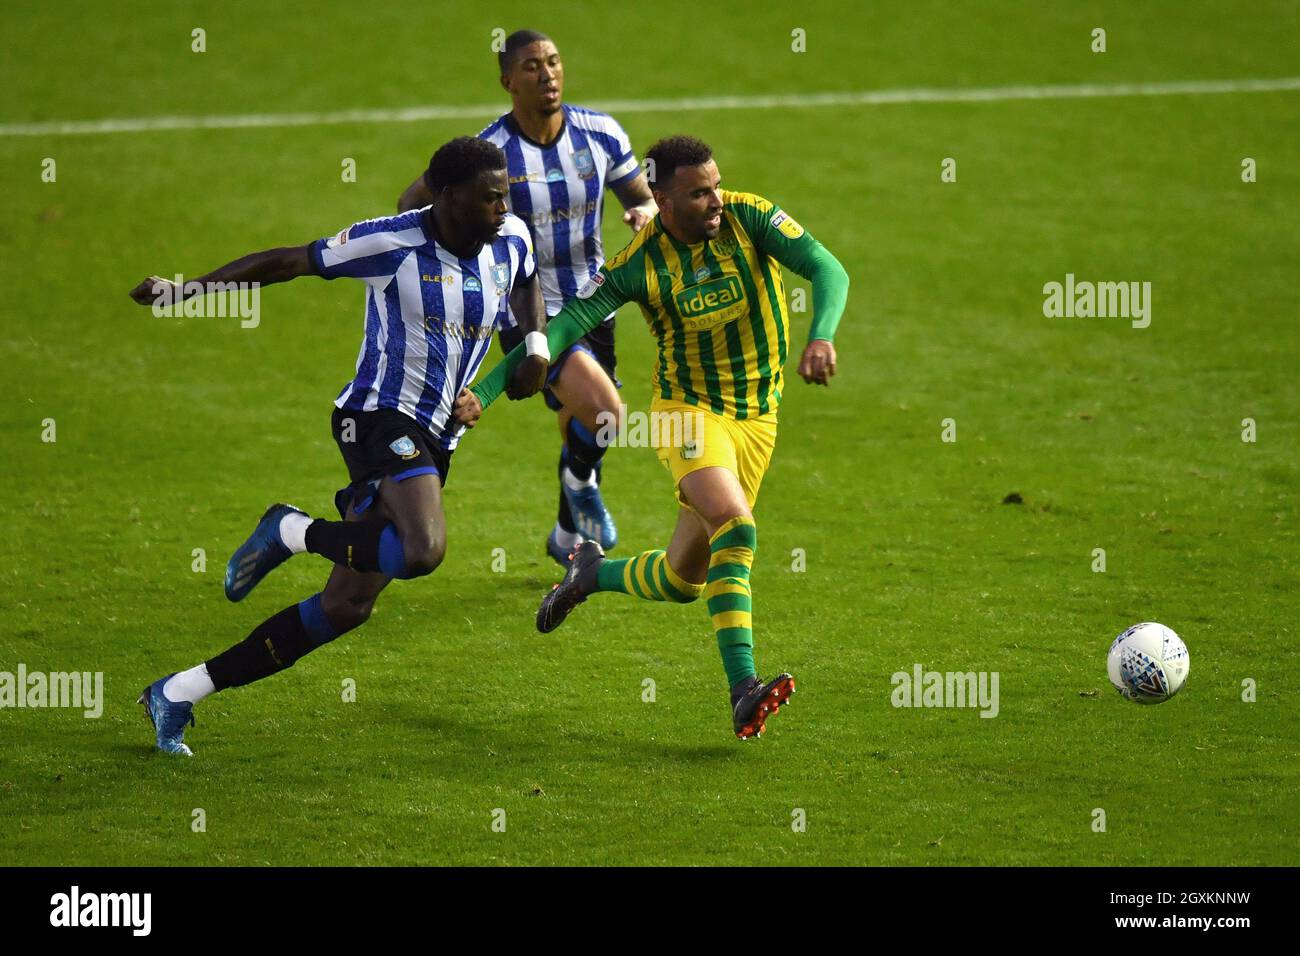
(191, 685)
(574, 483)
(566, 539)
(293, 531)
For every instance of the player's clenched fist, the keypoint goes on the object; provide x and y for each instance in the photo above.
(818, 362)
(467, 408)
(153, 289)
(529, 378)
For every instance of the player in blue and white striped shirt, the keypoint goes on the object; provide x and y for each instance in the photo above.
(561, 160)
(439, 282)
(430, 316)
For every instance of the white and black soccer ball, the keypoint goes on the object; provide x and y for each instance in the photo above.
(1148, 663)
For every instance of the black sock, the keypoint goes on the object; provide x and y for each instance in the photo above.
(274, 645)
(353, 544)
(277, 643)
(565, 517)
(585, 452)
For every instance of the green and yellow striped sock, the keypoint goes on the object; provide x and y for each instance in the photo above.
(647, 575)
(730, 601)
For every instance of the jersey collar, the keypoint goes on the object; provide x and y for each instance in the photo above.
(430, 227)
(511, 125)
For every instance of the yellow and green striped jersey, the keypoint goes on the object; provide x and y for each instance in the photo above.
(716, 308)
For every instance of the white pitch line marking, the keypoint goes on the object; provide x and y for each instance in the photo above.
(418, 114)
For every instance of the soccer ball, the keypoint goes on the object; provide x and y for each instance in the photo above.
(1148, 663)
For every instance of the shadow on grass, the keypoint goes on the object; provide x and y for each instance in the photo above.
(466, 745)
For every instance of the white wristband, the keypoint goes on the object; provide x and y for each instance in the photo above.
(535, 344)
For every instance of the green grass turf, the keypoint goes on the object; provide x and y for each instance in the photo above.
(175, 434)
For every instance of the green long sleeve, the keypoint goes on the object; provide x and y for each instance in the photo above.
(790, 244)
(830, 288)
(807, 257)
(578, 317)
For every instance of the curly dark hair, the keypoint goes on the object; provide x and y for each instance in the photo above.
(460, 160)
(674, 151)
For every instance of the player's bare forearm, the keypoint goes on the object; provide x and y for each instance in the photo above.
(633, 192)
(530, 312)
(637, 201)
(265, 268)
(416, 196)
(527, 307)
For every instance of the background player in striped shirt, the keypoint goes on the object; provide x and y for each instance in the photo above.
(706, 273)
(561, 160)
(438, 281)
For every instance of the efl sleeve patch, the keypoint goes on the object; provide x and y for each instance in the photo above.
(594, 283)
(786, 225)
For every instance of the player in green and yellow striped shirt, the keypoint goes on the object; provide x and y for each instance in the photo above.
(706, 273)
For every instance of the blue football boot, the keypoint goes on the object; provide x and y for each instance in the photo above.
(259, 555)
(168, 717)
(590, 517)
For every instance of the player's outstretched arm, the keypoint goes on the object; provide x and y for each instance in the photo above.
(529, 376)
(530, 312)
(830, 292)
(579, 316)
(638, 203)
(264, 268)
(787, 242)
(416, 196)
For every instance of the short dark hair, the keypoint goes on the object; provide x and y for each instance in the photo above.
(460, 160)
(516, 42)
(674, 151)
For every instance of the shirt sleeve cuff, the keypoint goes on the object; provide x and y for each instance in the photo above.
(624, 170)
(317, 262)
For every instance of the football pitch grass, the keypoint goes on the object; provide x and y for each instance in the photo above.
(880, 545)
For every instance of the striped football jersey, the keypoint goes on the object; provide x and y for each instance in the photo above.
(716, 308)
(559, 191)
(430, 316)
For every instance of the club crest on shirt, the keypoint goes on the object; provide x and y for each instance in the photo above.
(586, 165)
(472, 284)
(594, 283)
(724, 246)
(555, 175)
(404, 448)
(501, 276)
(786, 226)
